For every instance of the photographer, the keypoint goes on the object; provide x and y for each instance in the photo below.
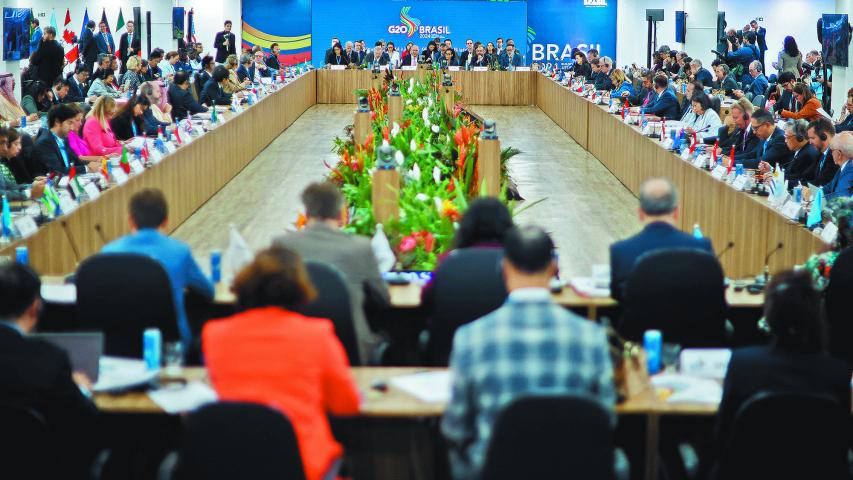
(743, 55)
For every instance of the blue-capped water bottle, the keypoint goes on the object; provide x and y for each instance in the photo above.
(652, 344)
(152, 346)
(22, 255)
(23, 121)
(697, 232)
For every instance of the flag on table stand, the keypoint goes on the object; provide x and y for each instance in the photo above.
(178, 134)
(213, 118)
(7, 218)
(72, 51)
(124, 163)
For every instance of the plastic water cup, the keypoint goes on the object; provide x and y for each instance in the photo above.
(216, 266)
(653, 343)
(738, 169)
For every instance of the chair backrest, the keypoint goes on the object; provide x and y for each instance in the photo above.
(122, 294)
(679, 292)
(238, 440)
(716, 104)
(25, 444)
(787, 435)
(333, 302)
(838, 306)
(551, 437)
(759, 101)
(467, 285)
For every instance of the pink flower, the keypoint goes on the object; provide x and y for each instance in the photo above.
(407, 244)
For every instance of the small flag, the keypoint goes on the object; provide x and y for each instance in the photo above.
(731, 164)
(124, 163)
(145, 153)
(191, 27)
(7, 218)
(663, 129)
(52, 198)
(72, 172)
(732, 154)
(714, 151)
(105, 169)
(213, 118)
(177, 135)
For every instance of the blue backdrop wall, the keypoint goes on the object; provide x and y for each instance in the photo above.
(551, 27)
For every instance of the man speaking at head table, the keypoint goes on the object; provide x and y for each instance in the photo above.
(666, 103)
(529, 345)
(323, 241)
(659, 215)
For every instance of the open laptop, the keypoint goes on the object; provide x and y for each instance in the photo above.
(84, 349)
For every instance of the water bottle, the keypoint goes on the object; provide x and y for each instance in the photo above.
(652, 344)
(215, 266)
(22, 255)
(23, 121)
(44, 122)
(697, 232)
(152, 347)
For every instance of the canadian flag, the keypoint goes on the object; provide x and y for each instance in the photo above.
(72, 50)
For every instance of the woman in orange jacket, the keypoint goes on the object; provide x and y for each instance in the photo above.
(810, 103)
(269, 354)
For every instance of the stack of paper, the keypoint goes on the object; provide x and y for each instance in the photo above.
(689, 389)
(64, 293)
(185, 399)
(430, 387)
(122, 373)
(705, 362)
(589, 287)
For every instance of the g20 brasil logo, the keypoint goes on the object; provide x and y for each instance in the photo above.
(411, 25)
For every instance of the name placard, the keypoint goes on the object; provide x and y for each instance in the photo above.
(719, 172)
(408, 68)
(453, 68)
(337, 67)
(67, 204)
(740, 182)
(830, 231)
(92, 191)
(136, 167)
(119, 176)
(522, 69)
(791, 210)
(26, 225)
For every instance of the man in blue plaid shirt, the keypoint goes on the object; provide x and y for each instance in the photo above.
(528, 346)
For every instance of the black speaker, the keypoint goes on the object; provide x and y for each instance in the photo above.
(721, 24)
(654, 14)
(148, 30)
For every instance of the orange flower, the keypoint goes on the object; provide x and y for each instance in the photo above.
(449, 210)
(301, 221)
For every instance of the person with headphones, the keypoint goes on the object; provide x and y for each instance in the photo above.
(801, 168)
(737, 132)
(820, 133)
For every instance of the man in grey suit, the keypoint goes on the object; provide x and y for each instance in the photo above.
(323, 241)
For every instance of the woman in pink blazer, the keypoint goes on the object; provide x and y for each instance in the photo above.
(97, 131)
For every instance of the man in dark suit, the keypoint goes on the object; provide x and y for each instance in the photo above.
(411, 60)
(379, 57)
(212, 93)
(250, 68)
(659, 213)
(78, 85)
(358, 54)
(787, 101)
(225, 43)
(182, 101)
(467, 54)
(761, 39)
(38, 376)
(104, 40)
(773, 150)
(666, 103)
(49, 58)
(272, 60)
(87, 46)
(129, 44)
(509, 58)
(701, 74)
(842, 152)
(645, 95)
(52, 151)
(801, 168)
(820, 134)
(603, 81)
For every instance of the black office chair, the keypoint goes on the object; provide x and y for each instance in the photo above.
(838, 306)
(466, 286)
(551, 437)
(679, 292)
(235, 440)
(122, 294)
(787, 435)
(333, 302)
(25, 444)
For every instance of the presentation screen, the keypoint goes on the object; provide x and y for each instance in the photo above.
(416, 22)
(558, 26)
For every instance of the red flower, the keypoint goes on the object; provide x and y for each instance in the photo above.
(407, 244)
(386, 133)
(429, 241)
(373, 115)
(451, 186)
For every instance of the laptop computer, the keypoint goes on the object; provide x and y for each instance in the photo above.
(84, 349)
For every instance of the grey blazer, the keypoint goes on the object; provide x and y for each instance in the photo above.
(353, 257)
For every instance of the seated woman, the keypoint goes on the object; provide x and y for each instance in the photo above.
(97, 131)
(703, 120)
(182, 101)
(154, 116)
(687, 99)
(10, 111)
(133, 77)
(337, 56)
(581, 67)
(129, 121)
(491, 52)
(810, 104)
(428, 54)
(233, 83)
(38, 100)
(245, 360)
(794, 362)
(621, 83)
(76, 141)
(213, 92)
(103, 86)
(449, 59)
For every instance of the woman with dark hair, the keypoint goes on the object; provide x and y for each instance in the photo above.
(581, 67)
(811, 105)
(702, 120)
(449, 59)
(129, 122)
(790, 58)
(38, 100)
(271, 355)
(103, 85)
(793, 362)
(491, 52)
(337, 56)
(429, 53)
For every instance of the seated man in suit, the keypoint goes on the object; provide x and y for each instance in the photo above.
(323, 241)
(773, 151)
(182, 101)
(379, 56)
(804, 162)
(252, 69)
(645, 95)
(846, 124)
(411, 60)
(518, 335)
(149, 216)
(666, 103)
(701, 74)
(787, 101)
(52, 152)
(509, 58)
(603, 80)
(821, 134)
(725, 80)
(37, 375)
(842, 152)
(212, 92)
(659, 213)
(272, 61)
(759, 83)
(78, 85)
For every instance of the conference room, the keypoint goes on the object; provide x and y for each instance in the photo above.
(453, 239)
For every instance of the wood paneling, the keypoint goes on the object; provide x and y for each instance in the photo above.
(188, 178)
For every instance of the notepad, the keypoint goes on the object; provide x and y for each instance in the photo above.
(65, 293)
(689, 389)
(429, 387)
(122, 373)
(184, 399)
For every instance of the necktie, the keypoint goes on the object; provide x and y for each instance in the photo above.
(107, 43)
(745, 135)
(61, 144)
(822, 160)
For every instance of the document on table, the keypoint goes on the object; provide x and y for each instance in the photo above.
(65, 293)
(184, 399)
(589, 287)
(122, 373)
(429, 387)
(689, 389)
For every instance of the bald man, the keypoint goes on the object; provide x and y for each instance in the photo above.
(658, 212)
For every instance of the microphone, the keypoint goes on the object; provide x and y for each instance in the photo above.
(767, 260)
(725, 250)
(71, 241)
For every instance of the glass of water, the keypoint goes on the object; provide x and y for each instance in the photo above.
(173, 357)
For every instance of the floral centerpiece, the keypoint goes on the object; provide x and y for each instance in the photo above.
(436, 154)
(820, 264)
